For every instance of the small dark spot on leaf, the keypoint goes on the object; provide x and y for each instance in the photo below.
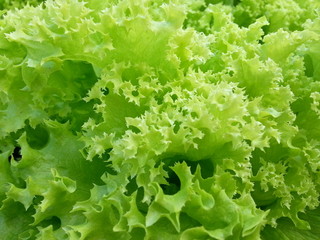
(142, 206)
(236, 196)
(16, 154)
(194, 115)
(134, 129)
(173, 185)
(37, 199)
(308, 64)
(131, 186)
(37, 137)
(110, 170)
(105, 91)
(54, 221)
(174, 97)
(176, 126)
(135, 93)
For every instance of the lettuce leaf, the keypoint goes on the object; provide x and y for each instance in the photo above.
(159, 119)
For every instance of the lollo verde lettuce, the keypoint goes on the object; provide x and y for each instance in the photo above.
(149, 119)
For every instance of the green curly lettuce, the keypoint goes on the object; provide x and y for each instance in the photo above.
(160, 120)
(12, 4)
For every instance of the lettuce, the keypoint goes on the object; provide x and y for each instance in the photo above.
(154, 119)
(12, 4)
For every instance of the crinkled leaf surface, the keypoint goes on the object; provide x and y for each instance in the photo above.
(159, 120)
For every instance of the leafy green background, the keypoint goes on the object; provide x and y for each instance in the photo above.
(160, 120)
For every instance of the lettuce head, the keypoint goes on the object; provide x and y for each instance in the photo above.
(160, 120)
